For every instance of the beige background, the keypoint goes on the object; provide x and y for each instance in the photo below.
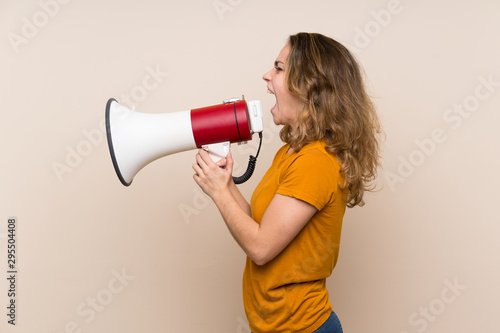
(421, 256)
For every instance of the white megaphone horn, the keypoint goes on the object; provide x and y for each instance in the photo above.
(136, 139)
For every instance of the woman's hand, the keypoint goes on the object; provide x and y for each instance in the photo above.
(210, 176)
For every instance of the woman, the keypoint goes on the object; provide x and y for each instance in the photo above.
(291, 229)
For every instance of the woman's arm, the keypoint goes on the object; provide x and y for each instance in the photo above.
(282, 221)
(239, 197)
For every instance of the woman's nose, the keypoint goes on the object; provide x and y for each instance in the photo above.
(267, 76)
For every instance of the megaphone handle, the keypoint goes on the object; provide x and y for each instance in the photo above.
(217, 150)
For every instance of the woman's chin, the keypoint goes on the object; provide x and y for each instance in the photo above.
(276, 121)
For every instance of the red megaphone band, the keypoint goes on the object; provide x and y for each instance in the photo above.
(220, 123)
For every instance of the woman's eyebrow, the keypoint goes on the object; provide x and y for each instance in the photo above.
(277, 62)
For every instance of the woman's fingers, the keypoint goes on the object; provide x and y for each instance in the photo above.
(222, 163)
(229, 162)
(205, 157)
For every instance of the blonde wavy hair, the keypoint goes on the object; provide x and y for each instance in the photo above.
(325, 76)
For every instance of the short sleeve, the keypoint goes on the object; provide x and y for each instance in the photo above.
(313, 177)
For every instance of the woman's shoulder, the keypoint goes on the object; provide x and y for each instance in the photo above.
(313, 167)
(318, 150)
(315, 146)
(313, 159)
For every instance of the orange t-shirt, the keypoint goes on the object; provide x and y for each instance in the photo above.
(288, 294)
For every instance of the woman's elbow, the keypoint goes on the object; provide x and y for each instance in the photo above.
(261, 257)
(260, 262)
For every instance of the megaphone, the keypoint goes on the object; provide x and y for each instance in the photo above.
(136, 139)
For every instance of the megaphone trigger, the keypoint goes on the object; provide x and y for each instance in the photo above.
(217, 151)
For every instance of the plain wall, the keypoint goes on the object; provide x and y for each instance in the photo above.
(95, 256)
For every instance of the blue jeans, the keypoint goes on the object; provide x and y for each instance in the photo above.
(331, 325)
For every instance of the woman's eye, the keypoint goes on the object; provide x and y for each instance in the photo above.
(278, 69)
